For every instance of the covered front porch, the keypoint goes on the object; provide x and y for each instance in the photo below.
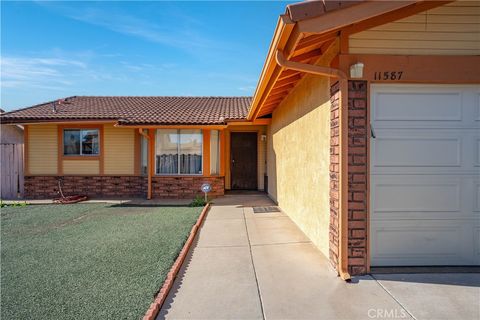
(176, 160)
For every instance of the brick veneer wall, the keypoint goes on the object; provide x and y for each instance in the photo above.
(357, 176)
(46, 187)
(334, 175)
(185, 187)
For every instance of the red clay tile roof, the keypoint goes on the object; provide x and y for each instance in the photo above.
(136, 110)
(313, 8)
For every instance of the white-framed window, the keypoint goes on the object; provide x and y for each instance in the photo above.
(178, 151)
(81, 142)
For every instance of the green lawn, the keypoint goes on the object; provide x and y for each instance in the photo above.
(87, 261)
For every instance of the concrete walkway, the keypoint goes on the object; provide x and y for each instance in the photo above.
(247, 265)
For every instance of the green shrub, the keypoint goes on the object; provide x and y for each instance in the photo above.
(14, 204)
(198, 202)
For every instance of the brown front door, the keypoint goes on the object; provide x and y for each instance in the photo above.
(243, 160)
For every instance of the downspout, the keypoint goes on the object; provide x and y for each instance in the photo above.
(343, 129)
(149, 164)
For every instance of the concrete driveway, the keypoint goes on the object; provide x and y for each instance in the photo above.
(247, 265)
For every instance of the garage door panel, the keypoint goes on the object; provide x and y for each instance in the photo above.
(426, 106)
(417, 106)
(421, 243)
(420, 197)
(417, 151)
(478, 107)
(477, 245)
(476, 188)
(477, 153)
(424, 166)
(426, 151)
(420, 194)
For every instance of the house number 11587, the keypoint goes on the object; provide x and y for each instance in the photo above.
(388, 75)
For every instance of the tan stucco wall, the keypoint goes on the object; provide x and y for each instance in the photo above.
(42, 149)
(298, 155)
(119, 150)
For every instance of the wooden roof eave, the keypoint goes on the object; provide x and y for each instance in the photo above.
(283, 31)
(328, 26)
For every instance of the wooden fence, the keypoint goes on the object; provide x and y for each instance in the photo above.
(11, 174)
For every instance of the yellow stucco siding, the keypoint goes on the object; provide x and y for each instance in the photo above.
(261, 153)
(119, 153)
(42, 149)
(298, 155)
(299, 158)
(81, 167)
(452, 29)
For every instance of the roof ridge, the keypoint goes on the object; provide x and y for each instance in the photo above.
(37, 105)
(133, 96)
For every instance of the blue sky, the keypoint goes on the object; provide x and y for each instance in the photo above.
(53, 49)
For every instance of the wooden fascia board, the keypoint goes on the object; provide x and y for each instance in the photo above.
(282, 34)
(356, 13)
(257, 122)
(269, 87)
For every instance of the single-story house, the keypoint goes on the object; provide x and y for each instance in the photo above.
(364, 128)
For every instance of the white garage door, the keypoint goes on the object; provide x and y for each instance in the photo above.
(425, 182)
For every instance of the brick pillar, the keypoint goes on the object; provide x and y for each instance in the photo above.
(357, 177)
(334, 175)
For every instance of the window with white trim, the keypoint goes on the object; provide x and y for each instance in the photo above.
(178, 151)
(81, 142)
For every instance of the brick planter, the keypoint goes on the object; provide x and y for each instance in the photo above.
(46, 187)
